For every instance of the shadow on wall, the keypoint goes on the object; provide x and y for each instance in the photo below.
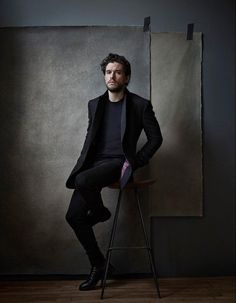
(16, 216)
(28, 160)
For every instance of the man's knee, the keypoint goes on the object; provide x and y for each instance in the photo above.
(81, 181)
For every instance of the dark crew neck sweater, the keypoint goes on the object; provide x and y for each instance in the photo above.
(108, 140)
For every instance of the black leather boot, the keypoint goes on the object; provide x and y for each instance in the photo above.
(96, 274)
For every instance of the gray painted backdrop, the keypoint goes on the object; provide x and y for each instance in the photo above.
(47, 77)
(176, 98)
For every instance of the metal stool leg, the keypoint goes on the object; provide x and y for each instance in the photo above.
(113, 231)
(149, 249)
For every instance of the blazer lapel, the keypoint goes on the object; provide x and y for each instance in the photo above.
(99, 113)
(123, 117)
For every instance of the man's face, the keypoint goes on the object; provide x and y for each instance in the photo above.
(115, 77)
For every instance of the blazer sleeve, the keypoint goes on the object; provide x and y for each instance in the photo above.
(154, 137)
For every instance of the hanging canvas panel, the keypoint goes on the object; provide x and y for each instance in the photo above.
(176, 98)
(48, 75)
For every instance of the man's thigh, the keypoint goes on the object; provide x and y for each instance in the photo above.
(100, 174)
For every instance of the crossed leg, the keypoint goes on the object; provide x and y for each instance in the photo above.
(87, 198)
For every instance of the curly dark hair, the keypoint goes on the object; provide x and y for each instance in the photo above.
(116, 58)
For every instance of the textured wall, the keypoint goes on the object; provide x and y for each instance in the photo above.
(47, 77)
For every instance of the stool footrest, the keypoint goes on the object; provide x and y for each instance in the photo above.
(129, 247)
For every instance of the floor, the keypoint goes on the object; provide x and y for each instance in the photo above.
(176, 290)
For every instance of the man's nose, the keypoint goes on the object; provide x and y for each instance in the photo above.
(112, 75)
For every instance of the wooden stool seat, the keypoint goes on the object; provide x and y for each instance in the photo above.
(134, 184)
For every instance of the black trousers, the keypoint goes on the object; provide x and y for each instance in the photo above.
(87, 196)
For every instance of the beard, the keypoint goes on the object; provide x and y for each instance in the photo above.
(115, 88)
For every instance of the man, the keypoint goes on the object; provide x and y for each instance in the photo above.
(116, 120)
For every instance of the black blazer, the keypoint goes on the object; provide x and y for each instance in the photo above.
(137, 115)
